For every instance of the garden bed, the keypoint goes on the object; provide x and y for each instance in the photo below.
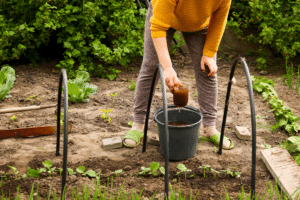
(88, 130)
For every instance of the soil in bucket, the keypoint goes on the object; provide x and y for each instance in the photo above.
(178, 123)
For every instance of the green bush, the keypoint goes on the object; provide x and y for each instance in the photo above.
(277, 23)
(82, 27)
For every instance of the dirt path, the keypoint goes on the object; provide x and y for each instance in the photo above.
(85, 141)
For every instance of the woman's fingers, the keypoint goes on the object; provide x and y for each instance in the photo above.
(213, 70)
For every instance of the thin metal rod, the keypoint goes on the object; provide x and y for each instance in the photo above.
(63, 81)
(163, 84)
(253, 120)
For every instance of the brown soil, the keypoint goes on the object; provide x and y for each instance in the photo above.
(88, 130)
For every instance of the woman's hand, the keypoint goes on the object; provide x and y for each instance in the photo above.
(210, 62)
(171, 79)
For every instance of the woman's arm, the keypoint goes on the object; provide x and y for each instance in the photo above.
(162, 51)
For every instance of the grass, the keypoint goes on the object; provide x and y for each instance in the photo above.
(272, 192)
(97, 193)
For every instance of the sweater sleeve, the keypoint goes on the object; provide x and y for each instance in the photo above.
(216, 29)
(163, 12)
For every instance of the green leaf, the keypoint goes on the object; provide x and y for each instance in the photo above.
(258, 87)
(70, 61)
(90, 89)
(71, 172)
(296, 141)
(296, 126)
(181, 167)
(154, 166)
(69, 7)
(47, 164)
(76, 53)
(289, 128)
(162, 170)
(76, 9)
(83, 75)
(22, 27)
(13, 168)
(42, 170)
(91, 173)
(297, 159)
(293, 118)
(33, 173)
(282, 122)
(69, 54)
(67, 45)
(80, 169)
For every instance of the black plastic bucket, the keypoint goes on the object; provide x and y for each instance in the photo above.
(182, 139)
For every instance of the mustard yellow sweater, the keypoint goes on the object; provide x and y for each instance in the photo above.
(190, 16)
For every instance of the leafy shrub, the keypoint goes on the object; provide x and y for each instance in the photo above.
(277, 23)
(88, 30)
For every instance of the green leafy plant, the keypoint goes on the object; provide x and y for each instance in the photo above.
(81, 170)
(104, 116)
(4, 176)
(14, 170)
(60, 170)
(40, 170)
(182, 168)
(154, 166)
(132, 86)
(91, 173)
(71, 172)
(31, 173)
(237, 174)
(144, 171)
(79, 90)
(7, 79)
(32, 97)
(215, 172)
(117, 172)
(292, 145)
(284, 117)
(13, 118)
(113, 96)
(227, 171)
(48, 165)
(204, 167)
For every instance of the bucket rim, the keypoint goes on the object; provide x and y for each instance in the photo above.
(158, 111)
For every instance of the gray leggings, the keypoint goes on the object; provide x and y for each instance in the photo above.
(207, 87)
